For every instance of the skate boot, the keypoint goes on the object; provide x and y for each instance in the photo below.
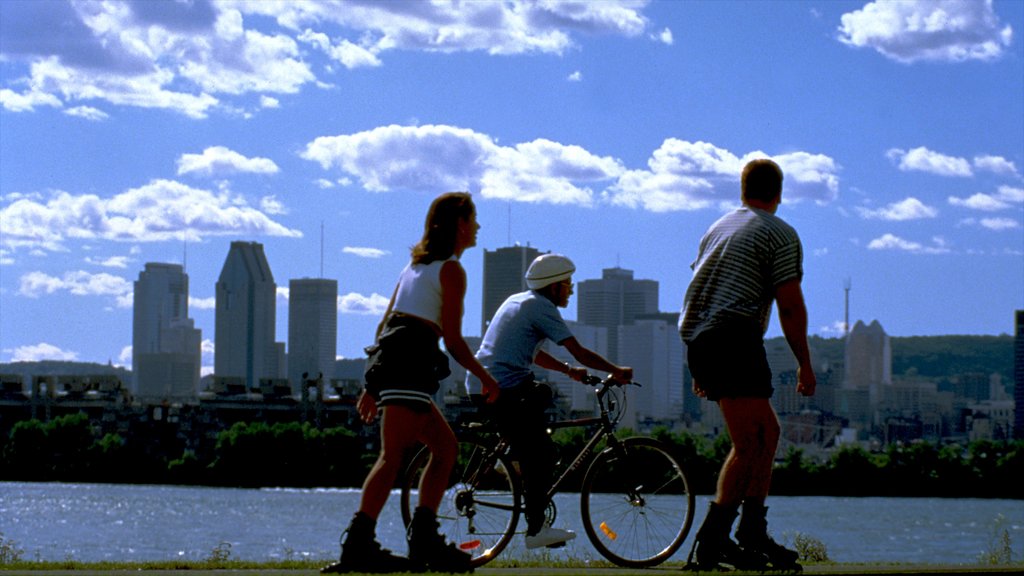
(360, 551)
(752, 534)
(713, 549)
(428, 550)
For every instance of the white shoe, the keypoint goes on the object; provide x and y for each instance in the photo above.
(549, 537)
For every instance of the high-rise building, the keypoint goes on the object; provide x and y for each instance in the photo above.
(615, 300)
(312, 329)
(246, 317)
(652, 347)
(504, 271)
(868, 370)
(166, 345)
(1018, 376)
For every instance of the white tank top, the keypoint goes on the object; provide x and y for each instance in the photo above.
(419, 291)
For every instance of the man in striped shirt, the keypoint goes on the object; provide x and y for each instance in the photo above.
(747, 259)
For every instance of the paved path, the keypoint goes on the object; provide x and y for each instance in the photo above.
(823, 569)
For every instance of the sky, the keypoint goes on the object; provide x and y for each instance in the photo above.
(611, 132)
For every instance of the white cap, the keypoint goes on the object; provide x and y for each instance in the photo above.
(548, 269)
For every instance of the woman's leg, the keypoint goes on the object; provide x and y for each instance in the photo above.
(398, 433)
(439, 438)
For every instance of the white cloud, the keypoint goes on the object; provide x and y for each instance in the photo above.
(28, 101)
(924, 160)
(1010, 194)
(576, 76)
(999, 224)
(996, 165)
(202, 303)
(159, 211)
(665, 37)
(271, 205)
(125, 357)
(87, 112)
(365, 252)
(218, 160)
(112, 262)
(908, 209)
(41, 351)
(188, 56)
(983, 202)
(372, 305)
(893, 242)
(78, 283)
(681, 176)
(937, 30)
(693, 175)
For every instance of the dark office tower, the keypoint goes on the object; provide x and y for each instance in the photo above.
(165, 342)
(246, 317)
(615, 300)
(504, 269)
(1018, 377)
(312, 329)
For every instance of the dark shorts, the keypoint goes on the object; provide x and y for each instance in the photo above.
(730, 362)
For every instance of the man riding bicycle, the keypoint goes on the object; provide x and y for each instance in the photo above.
(510, 348)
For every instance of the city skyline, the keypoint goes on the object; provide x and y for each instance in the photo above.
(611, 132)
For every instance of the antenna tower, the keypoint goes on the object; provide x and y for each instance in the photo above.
(846, 309)
(321, 248)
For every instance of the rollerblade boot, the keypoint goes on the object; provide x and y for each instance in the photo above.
(752, 534)
(428, 549)
(713, 549)
(360, 551)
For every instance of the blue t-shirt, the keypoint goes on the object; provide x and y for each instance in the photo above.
(520, 326)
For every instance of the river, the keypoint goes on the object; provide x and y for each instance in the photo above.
(94, 522)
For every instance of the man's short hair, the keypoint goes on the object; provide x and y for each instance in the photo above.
(762, 180)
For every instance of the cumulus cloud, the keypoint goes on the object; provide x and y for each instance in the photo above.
(365, 252)
(112, 262)
(271, 205)
(996, 165)
(999, 224)
(354, 303)
(893, 242)
(202, 303)
(41, 351)
(922, 159)
(908, 209)
(194, 57)
(685, 175)
(927, 30)
(1004, 198)
(78, 283)
(87, 112)
(159, 211)
(680, 176)
(220, 161)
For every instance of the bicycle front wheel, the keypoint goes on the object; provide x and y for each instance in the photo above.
(480, 507)
(636, 503)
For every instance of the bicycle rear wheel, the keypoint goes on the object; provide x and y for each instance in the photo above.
(636, 503)
(480, 508)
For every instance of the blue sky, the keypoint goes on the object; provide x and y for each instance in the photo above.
(613, 132)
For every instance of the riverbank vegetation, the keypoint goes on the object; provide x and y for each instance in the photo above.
(256, 454)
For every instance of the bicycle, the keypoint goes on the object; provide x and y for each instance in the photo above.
(635, 500)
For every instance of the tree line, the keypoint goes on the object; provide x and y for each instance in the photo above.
(258, 454)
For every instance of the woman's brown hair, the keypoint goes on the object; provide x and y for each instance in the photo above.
(441, 227)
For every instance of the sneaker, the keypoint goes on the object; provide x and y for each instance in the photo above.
(549, 537)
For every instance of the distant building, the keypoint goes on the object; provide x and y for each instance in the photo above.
(504, 271)
(868, 370)
(576, 398)
(652, 347)
(616, 299)
(1018, 376)
(246, 318)
(166, 345)
(312, 329)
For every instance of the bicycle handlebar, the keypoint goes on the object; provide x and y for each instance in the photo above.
(607, 381)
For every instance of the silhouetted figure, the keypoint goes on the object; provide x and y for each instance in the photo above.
(747, 259)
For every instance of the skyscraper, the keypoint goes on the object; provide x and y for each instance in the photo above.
(652, 347)
(312, 329)
(165, 342)
(615, 300)
(868, 369)
(504, 269)
(246, 317)
(1018, 376)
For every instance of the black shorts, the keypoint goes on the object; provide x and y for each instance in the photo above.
(730, 362)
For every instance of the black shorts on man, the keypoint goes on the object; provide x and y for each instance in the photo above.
(730, 362)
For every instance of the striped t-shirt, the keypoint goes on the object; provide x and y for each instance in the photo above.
(743, 257)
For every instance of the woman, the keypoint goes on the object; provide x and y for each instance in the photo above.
(403, 373)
